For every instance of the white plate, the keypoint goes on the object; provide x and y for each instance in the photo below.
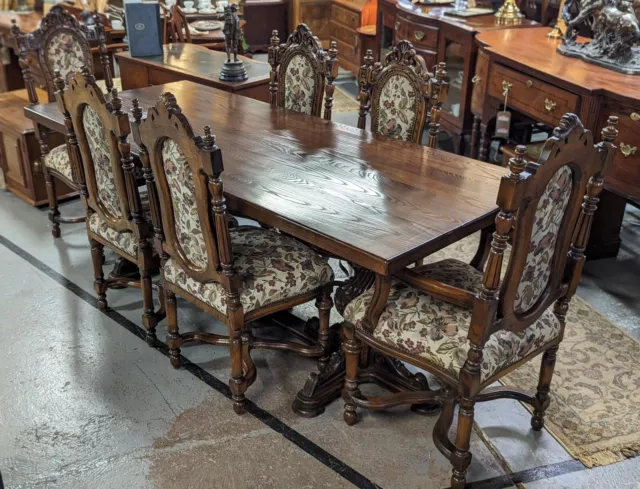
(190, 10)
(207, 11)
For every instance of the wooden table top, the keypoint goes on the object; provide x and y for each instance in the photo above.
(541, 58)
(379, 203)
(199, 62)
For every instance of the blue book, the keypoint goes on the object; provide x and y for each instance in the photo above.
(144, 32)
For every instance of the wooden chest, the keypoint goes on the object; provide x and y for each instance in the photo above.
(346, 17)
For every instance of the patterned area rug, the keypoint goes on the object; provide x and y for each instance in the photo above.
(343, 102)
(596, 383)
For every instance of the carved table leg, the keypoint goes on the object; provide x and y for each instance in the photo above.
(475, 136)
(322, 388)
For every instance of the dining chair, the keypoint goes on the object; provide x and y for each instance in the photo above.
(117, 214)
(177, 30)
(302, 73)
(60, 43)
(399, 92)
(470, 328)
(238, 274)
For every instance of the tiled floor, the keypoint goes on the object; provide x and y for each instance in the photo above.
(84, 403)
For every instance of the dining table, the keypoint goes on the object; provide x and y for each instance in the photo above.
(374, 202)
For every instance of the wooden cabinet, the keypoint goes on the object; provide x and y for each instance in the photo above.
(346, 17)
(316, 14)
(544, 86)
(263, 16)
(20, 152)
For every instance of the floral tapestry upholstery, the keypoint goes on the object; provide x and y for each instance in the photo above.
(436, 330)
(64, 53)
(397, 108)
(98, 139)
(272, 268)
(549, 214)
(299, 85)
(58, 159)
(183, 199)
(124, 240)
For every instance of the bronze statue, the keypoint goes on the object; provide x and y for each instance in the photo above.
(232, 70)
(231, 30)
(616, 34)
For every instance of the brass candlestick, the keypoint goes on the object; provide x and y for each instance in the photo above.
(509, 13)
(561, 26)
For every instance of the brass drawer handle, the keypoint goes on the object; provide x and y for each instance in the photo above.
(476, 79)
(529, 83)
(550, 105)
(635, 116)
(397, 24)
(627, 150)
(506, 87)
(419, 35)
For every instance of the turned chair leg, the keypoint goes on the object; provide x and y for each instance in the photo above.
(149, 318)
(238, 382)
(99, 285)
(54, 213)
(544, 386)
(352, 348)
(324, 305)
(461, 457)
(174, 341)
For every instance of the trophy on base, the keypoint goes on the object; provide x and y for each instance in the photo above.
(232, 70)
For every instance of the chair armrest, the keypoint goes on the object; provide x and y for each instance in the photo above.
(439, 290)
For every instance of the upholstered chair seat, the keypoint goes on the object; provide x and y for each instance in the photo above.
(58, 160)
(123, 240)
(272, 268)
(436, 330)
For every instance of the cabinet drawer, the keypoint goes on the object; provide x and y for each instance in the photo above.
(347, 52)
(624, 173)
(419, 35)
(429, 57)
(345, 16)
(344, 34)
(536, 98)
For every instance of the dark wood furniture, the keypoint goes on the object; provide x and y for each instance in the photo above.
(367, 41)
(237, 275)
(389, 204)
(264, 16)
(316, 14)
(193, 63)
(399, 92)
(347, 16)
(441, 38)
(302, 73)
(469, 329)
(98, 140)
(544, 85)
(59, 46)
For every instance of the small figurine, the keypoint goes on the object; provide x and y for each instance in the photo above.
(232, 70)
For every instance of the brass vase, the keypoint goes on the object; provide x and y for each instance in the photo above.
(561, 26)
(509, 13)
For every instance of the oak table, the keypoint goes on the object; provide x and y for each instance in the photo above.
(381, 204)
(544, 86)
(195, 63)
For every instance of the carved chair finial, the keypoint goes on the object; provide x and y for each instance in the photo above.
(170, 102)
(116, 101)
(609, 133)
(86, 72)
(333, 50)
(208, 139)
(136, 111)
(517, 163)
(275, 40)
(368, 57)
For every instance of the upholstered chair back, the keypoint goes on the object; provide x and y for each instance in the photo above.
(101, 129)
(301, 72)
(184, 178)
(61, 44)
(399, 92)
(543, 208)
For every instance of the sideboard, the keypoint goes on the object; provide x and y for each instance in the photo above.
(543, 85)
(440, 37)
